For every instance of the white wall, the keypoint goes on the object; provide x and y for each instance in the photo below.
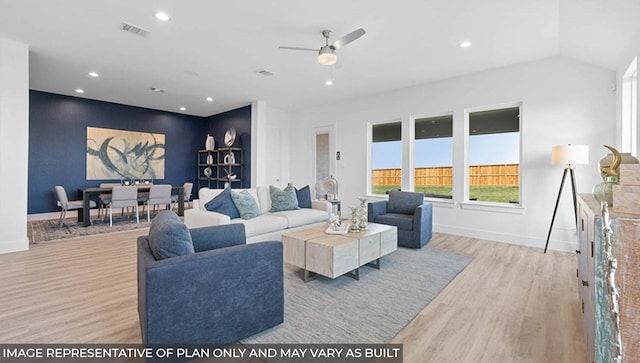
(632, 51)
(563, 101)
(14, 144)
(270, 127)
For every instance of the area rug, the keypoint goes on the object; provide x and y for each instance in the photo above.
(48, 230)
(369, 311)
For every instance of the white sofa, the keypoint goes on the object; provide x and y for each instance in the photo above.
(267, 226)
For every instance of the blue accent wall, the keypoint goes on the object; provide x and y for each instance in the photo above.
(240, 119)
(58, 131)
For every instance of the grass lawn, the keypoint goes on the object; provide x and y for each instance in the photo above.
(480, 193)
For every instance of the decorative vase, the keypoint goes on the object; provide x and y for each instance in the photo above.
(209, 159)
(230, 158)
(209, 143)
(603, 192)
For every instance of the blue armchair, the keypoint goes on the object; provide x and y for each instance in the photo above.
(206, 285)
(408, 212)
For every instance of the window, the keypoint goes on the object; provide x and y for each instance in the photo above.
(494, 155)
(433, 150)
(630, 109)
(386, 157)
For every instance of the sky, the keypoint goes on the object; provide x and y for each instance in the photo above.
(483, 150)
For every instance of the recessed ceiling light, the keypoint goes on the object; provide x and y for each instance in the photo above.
(328, 82)
(465, 44)
(209, 99)
(183, 108)
(79, 90)
(162, 16)
(93, 74)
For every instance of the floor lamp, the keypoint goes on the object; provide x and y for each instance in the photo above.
(568, 155)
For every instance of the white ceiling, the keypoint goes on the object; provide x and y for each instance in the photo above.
(215, 48)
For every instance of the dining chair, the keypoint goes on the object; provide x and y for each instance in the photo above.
(65, 204)
(121, 197)
(159, 194)
(187, 188)
(105, 198)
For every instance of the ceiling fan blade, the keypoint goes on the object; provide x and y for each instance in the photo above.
(298, 48)
(348, 38)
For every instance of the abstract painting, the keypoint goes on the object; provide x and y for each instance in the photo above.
(118, 154)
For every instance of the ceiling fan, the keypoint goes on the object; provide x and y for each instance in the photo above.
(327, 53)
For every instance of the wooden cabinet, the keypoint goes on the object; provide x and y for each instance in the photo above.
(586, 274)
(600, 323)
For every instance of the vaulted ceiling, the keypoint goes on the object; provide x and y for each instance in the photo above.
(216, 49)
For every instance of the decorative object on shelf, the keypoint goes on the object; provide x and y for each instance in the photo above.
(569, 155)
(229, 173)
(355, 227)
(341, 229)
(209, 143)
(335, 221)
(363, 213)
(626, 192)
(219, 172)
(609, 165)
(230, 137)
(230, 158)
(603, 192)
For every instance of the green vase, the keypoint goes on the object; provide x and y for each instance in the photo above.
(603, 192)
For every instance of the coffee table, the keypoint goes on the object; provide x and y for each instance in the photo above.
(320, 253)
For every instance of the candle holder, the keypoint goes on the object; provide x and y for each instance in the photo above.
(355, 227)
(363, 214)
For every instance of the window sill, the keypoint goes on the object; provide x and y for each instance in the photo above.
(441, 202)
(493, 207)
(436, 202)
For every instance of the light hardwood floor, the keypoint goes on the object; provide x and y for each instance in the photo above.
(510, 304)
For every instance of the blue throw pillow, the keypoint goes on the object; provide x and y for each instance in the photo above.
(304, 197)
(222, 203)
(246, 204)
(169, 237)
(282, 200)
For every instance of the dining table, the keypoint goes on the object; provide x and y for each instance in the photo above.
(91, 192)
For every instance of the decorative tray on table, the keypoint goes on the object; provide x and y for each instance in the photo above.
(342, 229)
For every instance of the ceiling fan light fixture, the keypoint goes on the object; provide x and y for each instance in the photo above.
(327, 57)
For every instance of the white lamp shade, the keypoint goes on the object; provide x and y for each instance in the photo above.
(570, 154)
(326, 56)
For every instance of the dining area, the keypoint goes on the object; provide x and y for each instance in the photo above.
(111, 198)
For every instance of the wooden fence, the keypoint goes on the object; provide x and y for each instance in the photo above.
(485, 175)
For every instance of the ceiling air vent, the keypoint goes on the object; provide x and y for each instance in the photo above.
(134, 29)
(265, 72)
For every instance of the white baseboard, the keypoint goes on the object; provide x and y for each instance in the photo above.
(14, 246)
(536, 242)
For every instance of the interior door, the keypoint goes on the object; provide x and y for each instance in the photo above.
(323, 150)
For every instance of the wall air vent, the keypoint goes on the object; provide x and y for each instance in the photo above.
(265, 72)
(134, 29)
